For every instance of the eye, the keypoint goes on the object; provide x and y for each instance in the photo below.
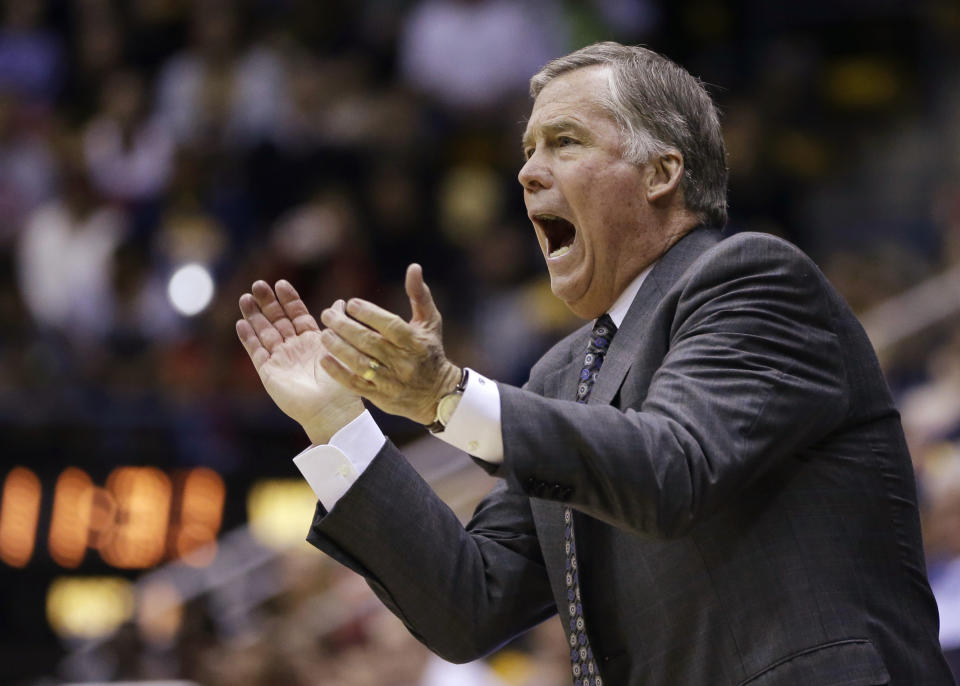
(564, 141)
(527, 153)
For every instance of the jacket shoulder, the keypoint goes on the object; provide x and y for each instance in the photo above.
(751, 247)
(744, 257)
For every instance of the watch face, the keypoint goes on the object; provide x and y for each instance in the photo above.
(446, 406)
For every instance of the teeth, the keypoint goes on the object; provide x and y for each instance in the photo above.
(560, 252)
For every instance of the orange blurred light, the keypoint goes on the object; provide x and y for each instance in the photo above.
(142, 495)
(70, 522)
(201, 512)
(203, 496)
(18, 516)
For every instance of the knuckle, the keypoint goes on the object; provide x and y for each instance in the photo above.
(418, 342)
(396, 329)
(405, 370)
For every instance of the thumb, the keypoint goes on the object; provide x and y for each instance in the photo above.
(421, 302)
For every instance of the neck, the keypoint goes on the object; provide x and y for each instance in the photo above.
(677, 224)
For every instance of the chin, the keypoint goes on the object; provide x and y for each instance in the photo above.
(581, 309)
(584, 313)
(575, 305)
(577, 301)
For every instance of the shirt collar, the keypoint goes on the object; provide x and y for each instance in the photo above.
(618, 311)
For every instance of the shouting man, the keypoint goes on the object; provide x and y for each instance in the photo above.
(709, 482)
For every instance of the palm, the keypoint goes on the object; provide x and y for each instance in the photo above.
(294, 378)
(283, 341)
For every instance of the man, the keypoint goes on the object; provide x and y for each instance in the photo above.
(710, 484)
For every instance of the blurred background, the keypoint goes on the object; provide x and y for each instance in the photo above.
(157, 156)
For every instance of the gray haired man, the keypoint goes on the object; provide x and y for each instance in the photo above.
(709, 484)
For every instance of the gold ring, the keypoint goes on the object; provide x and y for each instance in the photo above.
(371, 371)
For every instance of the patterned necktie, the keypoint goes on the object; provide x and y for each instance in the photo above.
(585, 671)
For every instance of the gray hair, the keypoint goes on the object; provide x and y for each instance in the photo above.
(659, 106)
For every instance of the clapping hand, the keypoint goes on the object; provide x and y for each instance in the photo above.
(397, 365)
(284, 343)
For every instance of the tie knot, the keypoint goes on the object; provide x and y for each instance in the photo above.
(603, 331)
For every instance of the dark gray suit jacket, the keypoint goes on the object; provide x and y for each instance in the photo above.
(745, 503)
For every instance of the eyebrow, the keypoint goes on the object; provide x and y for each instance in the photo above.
(553, 126)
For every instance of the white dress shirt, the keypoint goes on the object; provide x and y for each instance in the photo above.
(474, 427)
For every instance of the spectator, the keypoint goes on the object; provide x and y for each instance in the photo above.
(129, 154)
(65, 257)
(26, 167)
(30, 55)
(470, 54)
(217, 92)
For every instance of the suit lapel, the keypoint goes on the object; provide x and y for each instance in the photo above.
(623, 348)
(561, 383)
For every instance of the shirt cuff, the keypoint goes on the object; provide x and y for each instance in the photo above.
(331, 469)
(475, 425)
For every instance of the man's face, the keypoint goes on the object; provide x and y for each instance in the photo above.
(587, 204)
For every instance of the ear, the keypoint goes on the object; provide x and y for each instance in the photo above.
(663, 175)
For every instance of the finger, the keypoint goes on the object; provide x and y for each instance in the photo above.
(343, 376)
(421, 301)
(363, 338)
(390, 326)
(258, 354)
(262, 327)
(386, 354)
(367, 368)
(295, 308)
(272, 309)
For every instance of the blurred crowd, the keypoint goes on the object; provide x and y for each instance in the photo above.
(321, 626)
(334, 142)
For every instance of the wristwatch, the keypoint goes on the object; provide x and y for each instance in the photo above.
(448, 403)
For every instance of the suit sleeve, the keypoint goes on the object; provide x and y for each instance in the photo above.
(752, 375)
(462, 591)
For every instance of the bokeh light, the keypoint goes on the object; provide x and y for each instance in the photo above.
(143, 510)
(88, 607)
(201, 510)
(70, 522)
(190, 289)
(18, 516)
(277, 510)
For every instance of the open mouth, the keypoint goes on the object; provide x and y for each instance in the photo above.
(559, 233)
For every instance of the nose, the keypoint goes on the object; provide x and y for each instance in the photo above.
(534, 175)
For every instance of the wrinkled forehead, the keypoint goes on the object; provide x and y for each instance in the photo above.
(578, 99)
(578, 95)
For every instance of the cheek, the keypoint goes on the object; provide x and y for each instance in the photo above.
(607, 197)
(616, 187)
